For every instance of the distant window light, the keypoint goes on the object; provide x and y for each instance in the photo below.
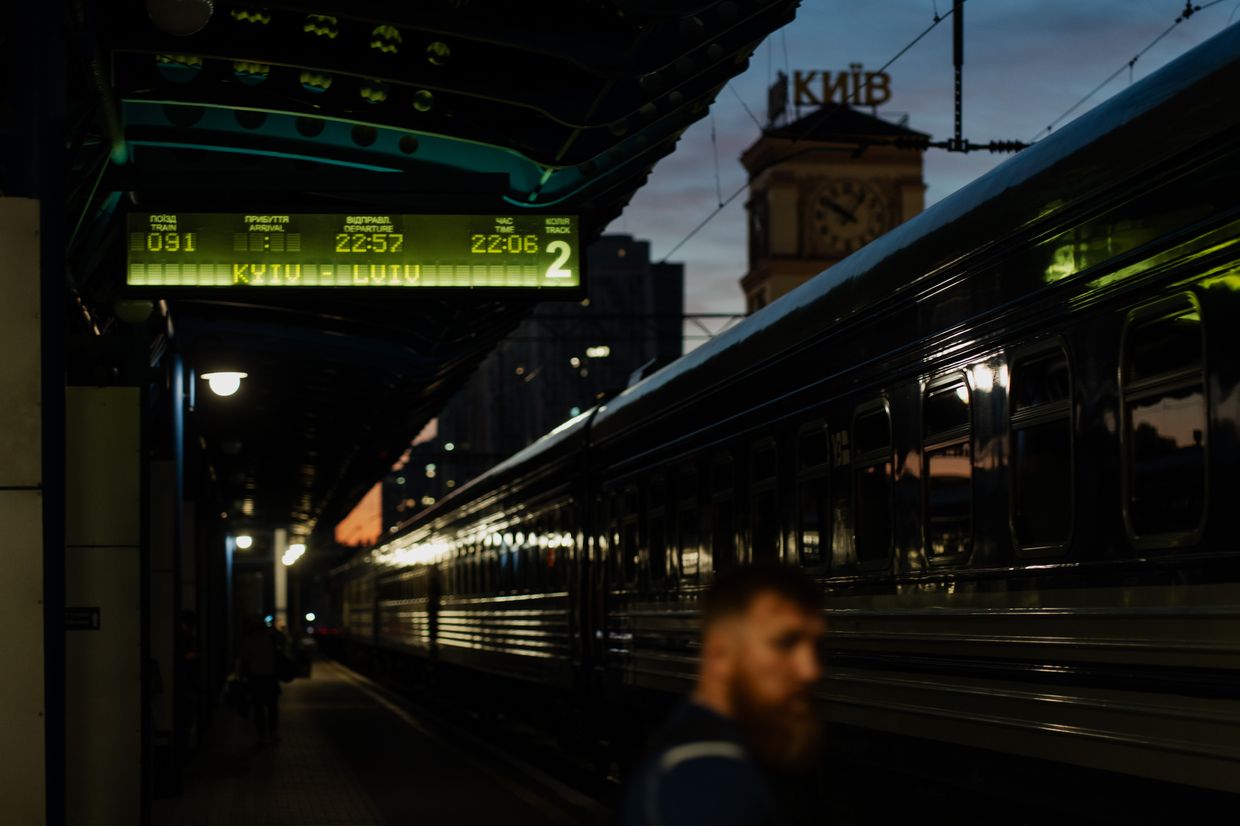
(451, 483)
(430, 473)
(409, 503)
(574, 361)
(520, 370)
(400, 480)
(600, 352)
(449, 447)
(426, 500)
(585, 302)
(574, 411)
(584, 372)
(430, 465)
(620, 253)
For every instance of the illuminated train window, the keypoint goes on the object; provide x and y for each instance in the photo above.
(656, 528)
(872, 475)
(1164, 422)
(947, 452)
(813, 500)
(688, 520)
(1040, 407)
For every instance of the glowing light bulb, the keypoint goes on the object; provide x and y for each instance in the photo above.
(244, 542)
(224, 382)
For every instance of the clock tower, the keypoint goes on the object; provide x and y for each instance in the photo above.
(821, 188)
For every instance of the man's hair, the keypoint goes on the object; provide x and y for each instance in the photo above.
(734, 590)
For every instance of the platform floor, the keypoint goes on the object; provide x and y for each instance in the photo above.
(350, 752)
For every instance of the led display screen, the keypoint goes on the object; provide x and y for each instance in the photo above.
(368, 251)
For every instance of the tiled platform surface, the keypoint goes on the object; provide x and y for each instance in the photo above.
(348, 755)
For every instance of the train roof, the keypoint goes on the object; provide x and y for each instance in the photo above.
(1174, 109)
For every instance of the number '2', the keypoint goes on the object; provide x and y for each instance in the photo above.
(562, 251)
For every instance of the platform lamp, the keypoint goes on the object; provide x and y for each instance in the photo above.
(224, 382)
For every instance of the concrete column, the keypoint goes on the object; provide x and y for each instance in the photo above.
(103, 606)
(162, 628)
(22, 735)
(279, 576)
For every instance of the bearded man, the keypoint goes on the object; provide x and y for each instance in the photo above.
(752, 713)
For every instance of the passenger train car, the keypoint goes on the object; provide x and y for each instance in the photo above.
(1005, 437)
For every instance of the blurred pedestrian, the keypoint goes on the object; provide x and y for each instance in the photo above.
(258, 662)
(752, 713)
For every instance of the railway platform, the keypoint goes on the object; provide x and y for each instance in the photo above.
(351, 753)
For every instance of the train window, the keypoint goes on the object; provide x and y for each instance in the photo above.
(764, 463)
(1165, 419)
(657, 495)
(764, 508)
(687, 521)
(812, 446)
(947, 452)
(947, 408)
(723, 528)
(549, 550)
(536, 570)
(1040, 379)
(872, 474)
(1041, 422)
(628, 535)
(813, 504)
(656, 526)
(812, 519)
(721, 474)
(505, 566)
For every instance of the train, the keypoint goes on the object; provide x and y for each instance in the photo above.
(1005, 438)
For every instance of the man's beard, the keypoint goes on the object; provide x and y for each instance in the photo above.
(784, 737)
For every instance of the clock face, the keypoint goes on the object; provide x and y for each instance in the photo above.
(848, 215)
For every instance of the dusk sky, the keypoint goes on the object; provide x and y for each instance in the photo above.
(1026, 61)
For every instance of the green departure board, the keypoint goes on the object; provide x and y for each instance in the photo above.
(366, 251)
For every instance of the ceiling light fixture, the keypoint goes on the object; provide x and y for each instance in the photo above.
(224, 382)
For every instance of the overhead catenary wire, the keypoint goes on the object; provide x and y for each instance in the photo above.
(1188, 11)
(814, 123)
(783, 37)
(748, 111)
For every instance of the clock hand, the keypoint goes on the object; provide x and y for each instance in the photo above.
(844, 213)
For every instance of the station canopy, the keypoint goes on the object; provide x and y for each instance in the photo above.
(450, 107)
